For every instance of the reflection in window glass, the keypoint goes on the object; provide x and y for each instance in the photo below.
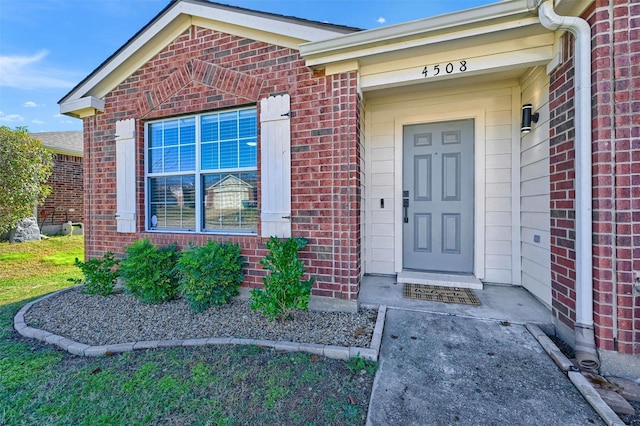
(230, 201)
(172, 202)
(248, 152)
(225, 199)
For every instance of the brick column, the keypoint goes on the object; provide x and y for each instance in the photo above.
(616, 177)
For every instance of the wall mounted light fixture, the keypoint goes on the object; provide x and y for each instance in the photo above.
(527, 118)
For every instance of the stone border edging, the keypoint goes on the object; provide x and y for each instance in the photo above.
(576, 377)
(81, 349)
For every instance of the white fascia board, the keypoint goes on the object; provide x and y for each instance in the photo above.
(502, 61)
(83, 107)
(62, 151)
(106, 70)
(377, 39)
(287, 28)
(176, 20)
(427, 40)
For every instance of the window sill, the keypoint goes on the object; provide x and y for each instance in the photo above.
(181, 231)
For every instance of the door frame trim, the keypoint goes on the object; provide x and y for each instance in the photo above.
(478, 115)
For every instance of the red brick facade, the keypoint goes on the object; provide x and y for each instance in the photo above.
(204, 70)
(67, 189)
(616, 178)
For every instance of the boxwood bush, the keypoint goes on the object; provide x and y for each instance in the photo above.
(284, 289)
(100, 275)
(210, 274)
(148, 272)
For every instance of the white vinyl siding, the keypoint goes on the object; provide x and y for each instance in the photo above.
(534, 189)
(383, 112)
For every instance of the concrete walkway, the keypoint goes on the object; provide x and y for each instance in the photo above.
(441, 370)
(444, 364)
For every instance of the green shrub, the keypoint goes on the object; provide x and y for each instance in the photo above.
(148, 272)
(210, 274)
(99, 275)
(283, 288)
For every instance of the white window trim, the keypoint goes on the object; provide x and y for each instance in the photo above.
(198, 174)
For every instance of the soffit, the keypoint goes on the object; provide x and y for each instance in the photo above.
(500, 79)
(492, 39)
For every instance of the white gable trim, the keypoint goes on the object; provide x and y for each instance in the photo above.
(173, 22)
(464, 24)
(82, 107)
(290, 32)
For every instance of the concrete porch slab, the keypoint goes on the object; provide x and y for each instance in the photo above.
(498, 302)
(443, 280)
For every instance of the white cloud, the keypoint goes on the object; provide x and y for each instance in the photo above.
(10, 118)
(37, 121)
(381, 20)
(28, 72)
(31, 104)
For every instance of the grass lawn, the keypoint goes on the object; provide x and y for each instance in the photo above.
(33, 269)
(205, 385)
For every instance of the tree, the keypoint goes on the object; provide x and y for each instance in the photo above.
(25, 166)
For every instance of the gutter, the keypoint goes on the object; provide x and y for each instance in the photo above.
(63, 151)
(585, 348)
(368, 39)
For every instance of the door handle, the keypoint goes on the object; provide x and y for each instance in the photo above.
(405, 206)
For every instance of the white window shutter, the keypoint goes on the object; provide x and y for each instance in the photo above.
(126, 175)
(275, 160)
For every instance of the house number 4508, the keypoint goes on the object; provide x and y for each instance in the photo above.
(448, 68)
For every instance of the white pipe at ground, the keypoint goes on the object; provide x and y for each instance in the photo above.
(585, 339)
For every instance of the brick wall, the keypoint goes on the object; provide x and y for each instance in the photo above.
(66, 192)
(616, 177)
(204, 70)
(616, 95)
(562, 191)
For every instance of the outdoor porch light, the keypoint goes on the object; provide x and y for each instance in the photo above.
(527, 118)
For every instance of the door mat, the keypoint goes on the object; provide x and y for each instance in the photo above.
(435, 293)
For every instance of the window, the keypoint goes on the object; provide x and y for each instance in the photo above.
(202, 173)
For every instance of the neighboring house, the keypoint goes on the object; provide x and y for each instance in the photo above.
(66, 201)
(398, 150)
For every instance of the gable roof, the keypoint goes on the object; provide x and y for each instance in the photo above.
(172, 21)
(229, 180)
(69, 142)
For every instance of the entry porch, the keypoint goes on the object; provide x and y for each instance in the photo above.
(498, 302)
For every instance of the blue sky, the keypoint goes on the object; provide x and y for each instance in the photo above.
(48, 46)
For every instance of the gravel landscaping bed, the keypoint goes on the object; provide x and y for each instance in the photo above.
(120, 318)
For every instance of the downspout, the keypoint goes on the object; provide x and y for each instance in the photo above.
(585, 347)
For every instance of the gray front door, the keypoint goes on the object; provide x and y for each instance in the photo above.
(438, 196)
